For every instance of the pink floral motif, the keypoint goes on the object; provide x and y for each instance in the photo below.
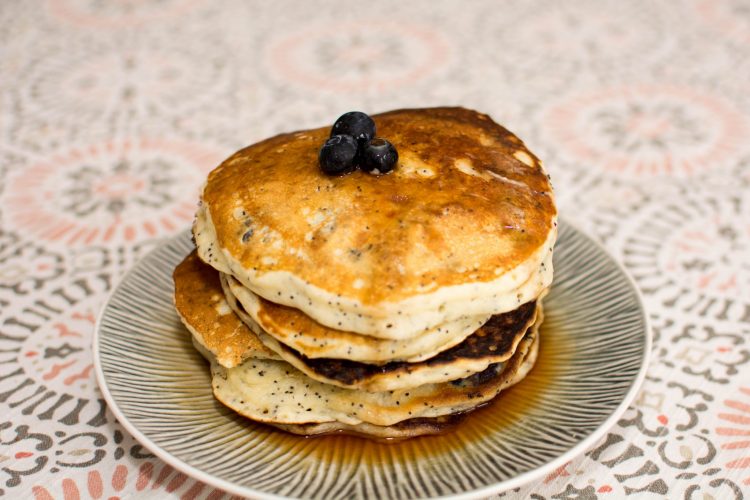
(91, 84)
(710, 255)
(648, 130)
(119, 191)
(117, 14)
(100, 485)
(561, 471)
(61, 356)
(353, 57)
(25, 267)
(559, 33)
(736, 433)
(729, 18)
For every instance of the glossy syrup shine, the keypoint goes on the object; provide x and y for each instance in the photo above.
(505, 413)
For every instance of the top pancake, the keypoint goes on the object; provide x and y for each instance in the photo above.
(467, 214)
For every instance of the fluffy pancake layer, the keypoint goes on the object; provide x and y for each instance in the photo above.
(300, 332)
(201, 304)
(462, 224)
(402, 430)
(407, 428)
(493, 342)
(273, 391)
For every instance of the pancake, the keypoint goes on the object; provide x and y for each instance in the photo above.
(215, 328)
(381, 305)
(405, 429)
(401, 430)
(295, 329)
(200, 302)
(496, 341)
(395, 414)
(275, 392)
(493, 342)
(465, 219)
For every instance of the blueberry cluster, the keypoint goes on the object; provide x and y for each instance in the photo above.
(353, 145)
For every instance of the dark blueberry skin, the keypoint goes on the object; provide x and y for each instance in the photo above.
(338, 154)
(379, 157)
(356, 124)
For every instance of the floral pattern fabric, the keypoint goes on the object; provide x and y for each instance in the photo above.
(112, 113)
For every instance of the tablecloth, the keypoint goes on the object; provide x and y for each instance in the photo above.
(112, 113)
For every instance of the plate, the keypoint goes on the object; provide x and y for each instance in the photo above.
(595, 342)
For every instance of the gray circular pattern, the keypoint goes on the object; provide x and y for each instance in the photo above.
(595, 344)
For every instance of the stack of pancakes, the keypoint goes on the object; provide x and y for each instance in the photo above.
(385, 305)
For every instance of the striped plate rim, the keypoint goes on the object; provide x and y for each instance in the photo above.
(583, 269)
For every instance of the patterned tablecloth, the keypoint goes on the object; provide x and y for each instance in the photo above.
(112, 113)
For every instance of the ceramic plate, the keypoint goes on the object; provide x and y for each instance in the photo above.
(594, 349)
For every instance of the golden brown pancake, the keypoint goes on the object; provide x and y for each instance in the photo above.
(513, 372)
(262, 388)
(415, 426)
(200, 302)
(216, 329)
(383, 305)
(493, 342)
(466, 217)
(295, 329)
(402, 430)
(275, 392)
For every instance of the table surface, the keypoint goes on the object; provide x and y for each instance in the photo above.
(112, 113)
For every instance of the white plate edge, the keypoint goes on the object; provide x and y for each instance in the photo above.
(486, 491)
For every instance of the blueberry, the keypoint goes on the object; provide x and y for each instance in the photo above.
(379, 157)
(337, 155)
(356, 124)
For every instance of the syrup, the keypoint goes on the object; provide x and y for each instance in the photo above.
(504, 412)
